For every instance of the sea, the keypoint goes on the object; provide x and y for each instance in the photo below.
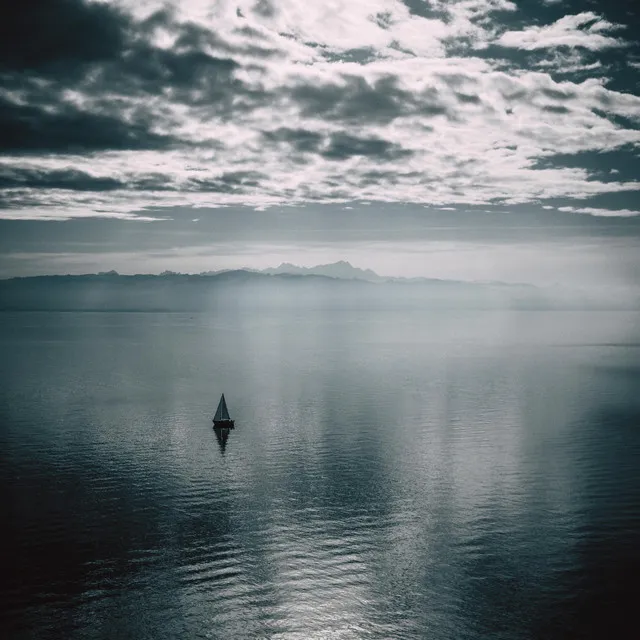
(441, 474)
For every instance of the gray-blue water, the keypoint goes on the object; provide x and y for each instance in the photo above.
(434, 475)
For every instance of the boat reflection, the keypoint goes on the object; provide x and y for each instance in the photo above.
(222, 435)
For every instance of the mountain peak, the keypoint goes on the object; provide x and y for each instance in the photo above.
(342, 270)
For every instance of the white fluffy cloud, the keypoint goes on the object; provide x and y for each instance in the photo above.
(609, 213)
(586, 30)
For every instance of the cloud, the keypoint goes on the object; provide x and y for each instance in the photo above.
(343, 145)
(44, 214)
(585, 30)
(60, 39)
(73, 179)
(608, 213)
(254, 103)
(64, 128)
(569, 62)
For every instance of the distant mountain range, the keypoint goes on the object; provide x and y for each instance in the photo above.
(343, 270)
(340, 270)
(337, 285)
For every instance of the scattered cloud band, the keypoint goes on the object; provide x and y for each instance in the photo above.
(119, 107)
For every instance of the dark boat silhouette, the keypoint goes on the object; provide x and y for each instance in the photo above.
(222, 419)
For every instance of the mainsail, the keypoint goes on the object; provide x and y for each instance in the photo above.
(222, 413)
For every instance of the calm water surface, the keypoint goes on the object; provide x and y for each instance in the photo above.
(438, 475)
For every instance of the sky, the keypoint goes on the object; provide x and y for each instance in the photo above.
(471, 139)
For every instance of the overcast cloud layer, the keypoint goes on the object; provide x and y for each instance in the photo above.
(121, 108)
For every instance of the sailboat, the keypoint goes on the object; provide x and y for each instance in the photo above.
(222, 419)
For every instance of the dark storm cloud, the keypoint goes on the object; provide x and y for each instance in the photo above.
(191, 76)
(337, 146)
(11, 178)
(299, 139)
(22, 179)
(380, 176)
(558, 94)
(361, 55)
(67, 129)
(47, 48)
(467, 98)
(64, 40)
(554, 108)
(63, 37)
(357, 100)
(342, 146)
(227, 182)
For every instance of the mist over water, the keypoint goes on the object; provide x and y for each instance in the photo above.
(441, 474)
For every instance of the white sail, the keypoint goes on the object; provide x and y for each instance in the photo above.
(222, 413)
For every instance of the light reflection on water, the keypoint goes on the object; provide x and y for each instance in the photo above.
(445, 476)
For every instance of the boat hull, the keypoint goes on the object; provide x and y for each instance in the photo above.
(223, 424)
